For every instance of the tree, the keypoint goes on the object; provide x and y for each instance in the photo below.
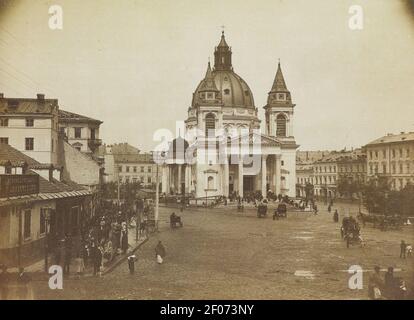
(374, 195)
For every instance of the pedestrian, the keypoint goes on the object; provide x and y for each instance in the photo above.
(85, 255)
(131, 263)
(97, 259)
(68, 254)
(80, 264)
(315, 209)
(389, 283)
(329, 208)
(160, 252)
(375, 285)
(403, 249)
(4, 282)
(124, 238)
(336, 216)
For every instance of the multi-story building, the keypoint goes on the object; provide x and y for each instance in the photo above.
(304, 177)
(30, 126)
(353, 167)
(81, 132)
(391, 157)
(325, 172)
(310, 156)
(126, 163)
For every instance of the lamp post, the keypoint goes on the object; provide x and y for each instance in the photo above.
(159, 158)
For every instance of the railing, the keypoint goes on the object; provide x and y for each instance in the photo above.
(13, 185)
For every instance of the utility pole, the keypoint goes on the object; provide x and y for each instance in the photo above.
(119, 190)
(157, 195)
(19, 248)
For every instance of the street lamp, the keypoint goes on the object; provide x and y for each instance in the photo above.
(159, 158)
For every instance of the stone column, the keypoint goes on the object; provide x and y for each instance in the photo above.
(264, 174)
(187, 178)
(179, 179)
(277, 174)
(226, 177)
(240, 177)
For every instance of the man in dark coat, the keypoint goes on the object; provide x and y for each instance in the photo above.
(403, 249)
(336, 216)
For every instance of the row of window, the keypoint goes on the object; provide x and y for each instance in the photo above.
(317, 180)
(374, 168)
(78, 132)
(375, 154)
(4, 122)
(28, 143)
(325, 169)
(350, 168)
(134, 169)
(136, 179)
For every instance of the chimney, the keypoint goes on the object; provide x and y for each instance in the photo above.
(51, 173)
(40, 96)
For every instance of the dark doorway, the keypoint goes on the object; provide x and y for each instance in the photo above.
(248, 184)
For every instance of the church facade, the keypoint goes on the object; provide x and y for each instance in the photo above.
(223, 151)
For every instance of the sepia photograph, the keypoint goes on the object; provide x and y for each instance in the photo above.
(189, 150)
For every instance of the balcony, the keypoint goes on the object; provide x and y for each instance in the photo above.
(94, 143)
(14, 185)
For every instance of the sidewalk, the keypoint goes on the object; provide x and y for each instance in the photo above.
(38, 268)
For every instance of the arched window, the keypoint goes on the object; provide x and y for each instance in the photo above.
(281, 125)
(210, 183)
(210, 124)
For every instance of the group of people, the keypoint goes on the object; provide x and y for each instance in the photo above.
(102, 238)
(389, 287)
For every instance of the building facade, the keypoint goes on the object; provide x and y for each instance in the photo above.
(127, 164)
(81, 132)
(223, 151)
(391, 157)
(31, 126)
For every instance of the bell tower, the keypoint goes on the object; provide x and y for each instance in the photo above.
(279, 109)
(222, 55)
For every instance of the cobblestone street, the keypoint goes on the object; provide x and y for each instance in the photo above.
(224, 254)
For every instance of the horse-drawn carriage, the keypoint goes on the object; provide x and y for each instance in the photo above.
(351, 232)
(175, 221)
(382, 222)
(280, 211)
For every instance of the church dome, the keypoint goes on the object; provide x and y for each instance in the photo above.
(234, 90)
(226, 87)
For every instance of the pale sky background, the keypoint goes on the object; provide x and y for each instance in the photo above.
(135, 64)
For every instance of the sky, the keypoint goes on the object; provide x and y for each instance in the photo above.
(134, 64)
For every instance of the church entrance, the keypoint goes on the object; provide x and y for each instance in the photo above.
(248, 184)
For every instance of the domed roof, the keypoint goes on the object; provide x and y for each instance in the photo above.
(234, 91)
